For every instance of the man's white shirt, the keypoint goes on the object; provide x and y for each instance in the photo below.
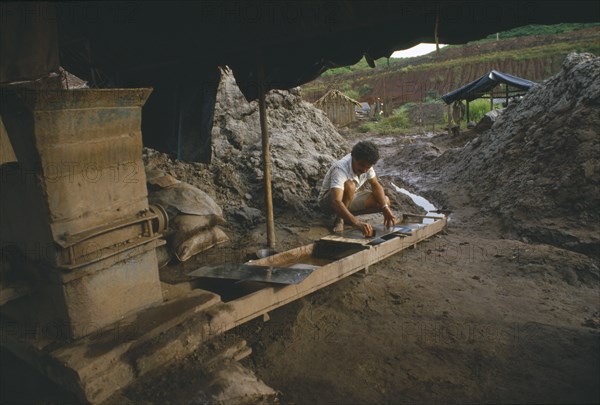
(340, 172)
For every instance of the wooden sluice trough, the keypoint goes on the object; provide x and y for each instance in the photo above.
(97, 365)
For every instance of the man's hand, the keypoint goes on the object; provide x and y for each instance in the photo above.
(389, 219)
(366, 229)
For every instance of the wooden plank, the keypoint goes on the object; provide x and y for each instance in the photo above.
(244, 309)
(287, 257)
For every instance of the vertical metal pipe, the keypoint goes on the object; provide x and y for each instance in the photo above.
(262, 108)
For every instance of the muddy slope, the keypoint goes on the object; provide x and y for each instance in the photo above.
(538, 167)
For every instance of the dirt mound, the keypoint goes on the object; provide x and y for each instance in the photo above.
(538, 167)
(303, 145)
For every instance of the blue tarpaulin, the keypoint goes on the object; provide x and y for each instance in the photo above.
(485, 84)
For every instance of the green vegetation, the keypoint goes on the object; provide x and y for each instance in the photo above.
(360, 65)
(557, 51)
(478, 108)
(535, 29)
(396, 123)
(542, 58)
(527, 30)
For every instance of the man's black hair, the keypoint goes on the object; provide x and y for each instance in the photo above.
(365, 150)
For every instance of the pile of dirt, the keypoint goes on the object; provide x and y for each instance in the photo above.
(303, 143)
(538, 167)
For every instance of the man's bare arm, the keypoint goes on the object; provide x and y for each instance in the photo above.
(382, 201)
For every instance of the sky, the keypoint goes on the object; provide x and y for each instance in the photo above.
(416, 50)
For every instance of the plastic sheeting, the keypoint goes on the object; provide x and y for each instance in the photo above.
(28, 41)
(485, 84)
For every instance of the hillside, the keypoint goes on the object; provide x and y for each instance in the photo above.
(535, 57)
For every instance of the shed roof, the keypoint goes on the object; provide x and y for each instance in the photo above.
(336, 94)
(484, 84)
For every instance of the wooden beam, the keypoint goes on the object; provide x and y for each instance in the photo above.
(246, 308)
(262, 107)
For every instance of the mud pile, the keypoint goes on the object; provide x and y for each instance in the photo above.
(538, 167)
(303, 145)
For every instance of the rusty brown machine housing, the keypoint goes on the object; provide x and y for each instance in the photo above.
(75, 209)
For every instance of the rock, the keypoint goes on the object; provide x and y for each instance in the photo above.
(246, 216)
(488, 120)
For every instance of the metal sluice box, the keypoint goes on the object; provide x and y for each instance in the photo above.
(294, 274)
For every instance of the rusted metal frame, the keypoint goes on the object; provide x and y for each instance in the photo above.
(70, 242)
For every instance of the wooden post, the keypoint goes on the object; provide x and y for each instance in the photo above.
(492, 100)
(436, 32)
(449, 120)
(262, 107)
(468, 113)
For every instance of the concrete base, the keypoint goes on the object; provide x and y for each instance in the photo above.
(96, 366)
(79, 303)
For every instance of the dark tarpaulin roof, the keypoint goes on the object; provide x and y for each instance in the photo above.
(295, 40)
(176, 46)
(485, 84)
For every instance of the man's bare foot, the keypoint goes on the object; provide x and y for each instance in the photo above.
(338, 225)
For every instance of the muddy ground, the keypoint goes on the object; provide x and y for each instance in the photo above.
(467, 316)
(481, 313)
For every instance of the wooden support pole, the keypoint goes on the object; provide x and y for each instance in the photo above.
(262, 107)
(468, 113)
(436, 32)
(449, 120)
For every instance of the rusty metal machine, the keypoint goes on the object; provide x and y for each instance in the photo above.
(75, 208)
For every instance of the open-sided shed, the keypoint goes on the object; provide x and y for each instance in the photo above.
(484, 88)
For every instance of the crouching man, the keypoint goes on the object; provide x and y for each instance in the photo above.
(342, 192)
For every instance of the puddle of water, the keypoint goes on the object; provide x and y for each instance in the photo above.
(422, 202)
(383, 140)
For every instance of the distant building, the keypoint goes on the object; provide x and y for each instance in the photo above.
(363, 112)
(338, 107)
